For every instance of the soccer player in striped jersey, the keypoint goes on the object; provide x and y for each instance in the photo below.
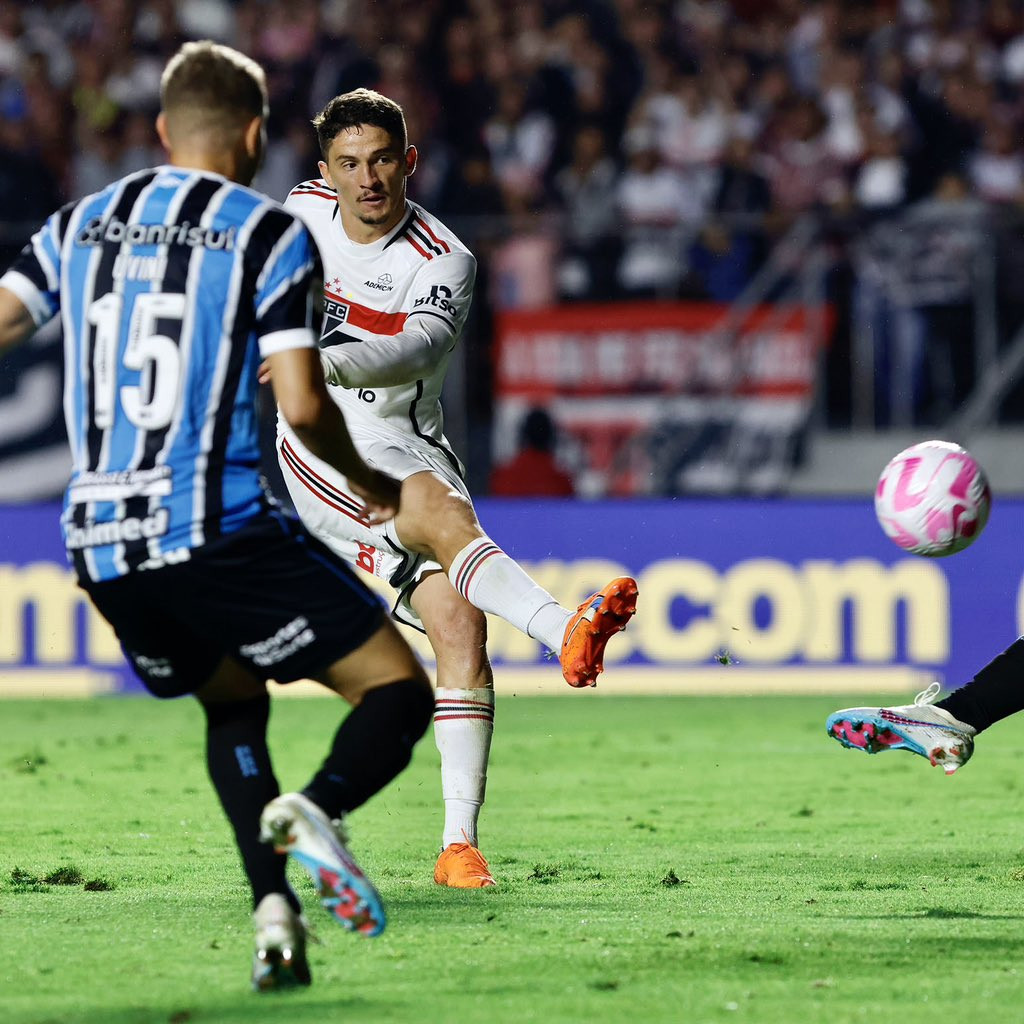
(397, 289)
(172, 284)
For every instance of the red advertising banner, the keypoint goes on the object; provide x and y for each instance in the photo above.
(663, 398)
(656, 348)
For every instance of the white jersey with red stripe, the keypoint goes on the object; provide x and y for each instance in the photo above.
(394, 310)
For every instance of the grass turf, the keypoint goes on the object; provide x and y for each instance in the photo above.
(659, 859)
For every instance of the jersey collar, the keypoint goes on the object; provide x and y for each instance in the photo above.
(365, 250)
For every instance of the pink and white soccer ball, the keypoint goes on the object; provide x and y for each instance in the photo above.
(933, 499)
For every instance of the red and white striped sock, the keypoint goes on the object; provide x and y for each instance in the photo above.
(491, 581)
(463, 724)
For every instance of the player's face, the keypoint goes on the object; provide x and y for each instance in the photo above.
(367, 168)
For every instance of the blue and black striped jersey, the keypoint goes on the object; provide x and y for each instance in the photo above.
(171, 285)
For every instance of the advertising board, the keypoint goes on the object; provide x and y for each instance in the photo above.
(737, 596)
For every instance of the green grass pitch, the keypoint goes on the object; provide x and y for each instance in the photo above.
(659, 859)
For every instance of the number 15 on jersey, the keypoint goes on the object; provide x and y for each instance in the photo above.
(150, 404)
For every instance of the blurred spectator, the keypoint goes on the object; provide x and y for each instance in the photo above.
(524, 271)
(801, 169)
(12, 52)
(585, 191)
(28, 193)
(97, 159)
(658, 218)
(949, 126)
(811, 42)
(470, 189)
(1001, 23)
(953, 230)
(533, 472)
(140, 146)
(732, 243)
(600, 70)
(914, 304)
(95, 108)
(996, 170)
(689, 123)
(521, 142)
(289, 160)
(886, 93)
(465, 96)
(882, 180)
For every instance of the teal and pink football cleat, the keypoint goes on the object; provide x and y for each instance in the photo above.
(296, 826)
(919, 727)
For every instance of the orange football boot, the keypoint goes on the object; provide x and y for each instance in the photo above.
(596, 621)
(462, 866)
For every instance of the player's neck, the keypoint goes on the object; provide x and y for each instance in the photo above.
(226, 164)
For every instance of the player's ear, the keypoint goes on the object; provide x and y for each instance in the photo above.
(161, 130)
(255, 138)
(325, 173)
(411, 156)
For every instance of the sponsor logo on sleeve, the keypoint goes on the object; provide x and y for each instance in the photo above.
(438, 299)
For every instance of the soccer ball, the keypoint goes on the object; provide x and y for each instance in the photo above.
(933, 499)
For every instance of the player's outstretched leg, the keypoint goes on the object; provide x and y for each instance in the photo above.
(596, 621)
(491, 581)
(296, 826)
(279, 960)
(920, 728)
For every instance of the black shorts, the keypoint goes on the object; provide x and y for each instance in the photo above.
(268, 595)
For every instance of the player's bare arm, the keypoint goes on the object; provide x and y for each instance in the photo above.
(16, 323)
(300, 393)
(383, 362)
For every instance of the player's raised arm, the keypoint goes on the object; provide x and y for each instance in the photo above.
(30, 288)
(16, 322)
(441, 295)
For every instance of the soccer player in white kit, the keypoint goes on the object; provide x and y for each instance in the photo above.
(397, 289)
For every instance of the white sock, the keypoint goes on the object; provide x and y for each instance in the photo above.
(463, 723)
(491, 581)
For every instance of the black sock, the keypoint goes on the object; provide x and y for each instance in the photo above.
(995, 692)
(372, 746)
(239, 764)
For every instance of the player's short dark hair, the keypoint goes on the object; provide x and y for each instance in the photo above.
(361, 106)
(213, 86)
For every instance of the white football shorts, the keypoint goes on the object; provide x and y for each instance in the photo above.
(331, 511)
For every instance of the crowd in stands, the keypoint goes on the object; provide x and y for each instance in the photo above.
(671, 140)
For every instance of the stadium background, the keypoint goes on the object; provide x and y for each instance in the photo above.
(741, 253)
